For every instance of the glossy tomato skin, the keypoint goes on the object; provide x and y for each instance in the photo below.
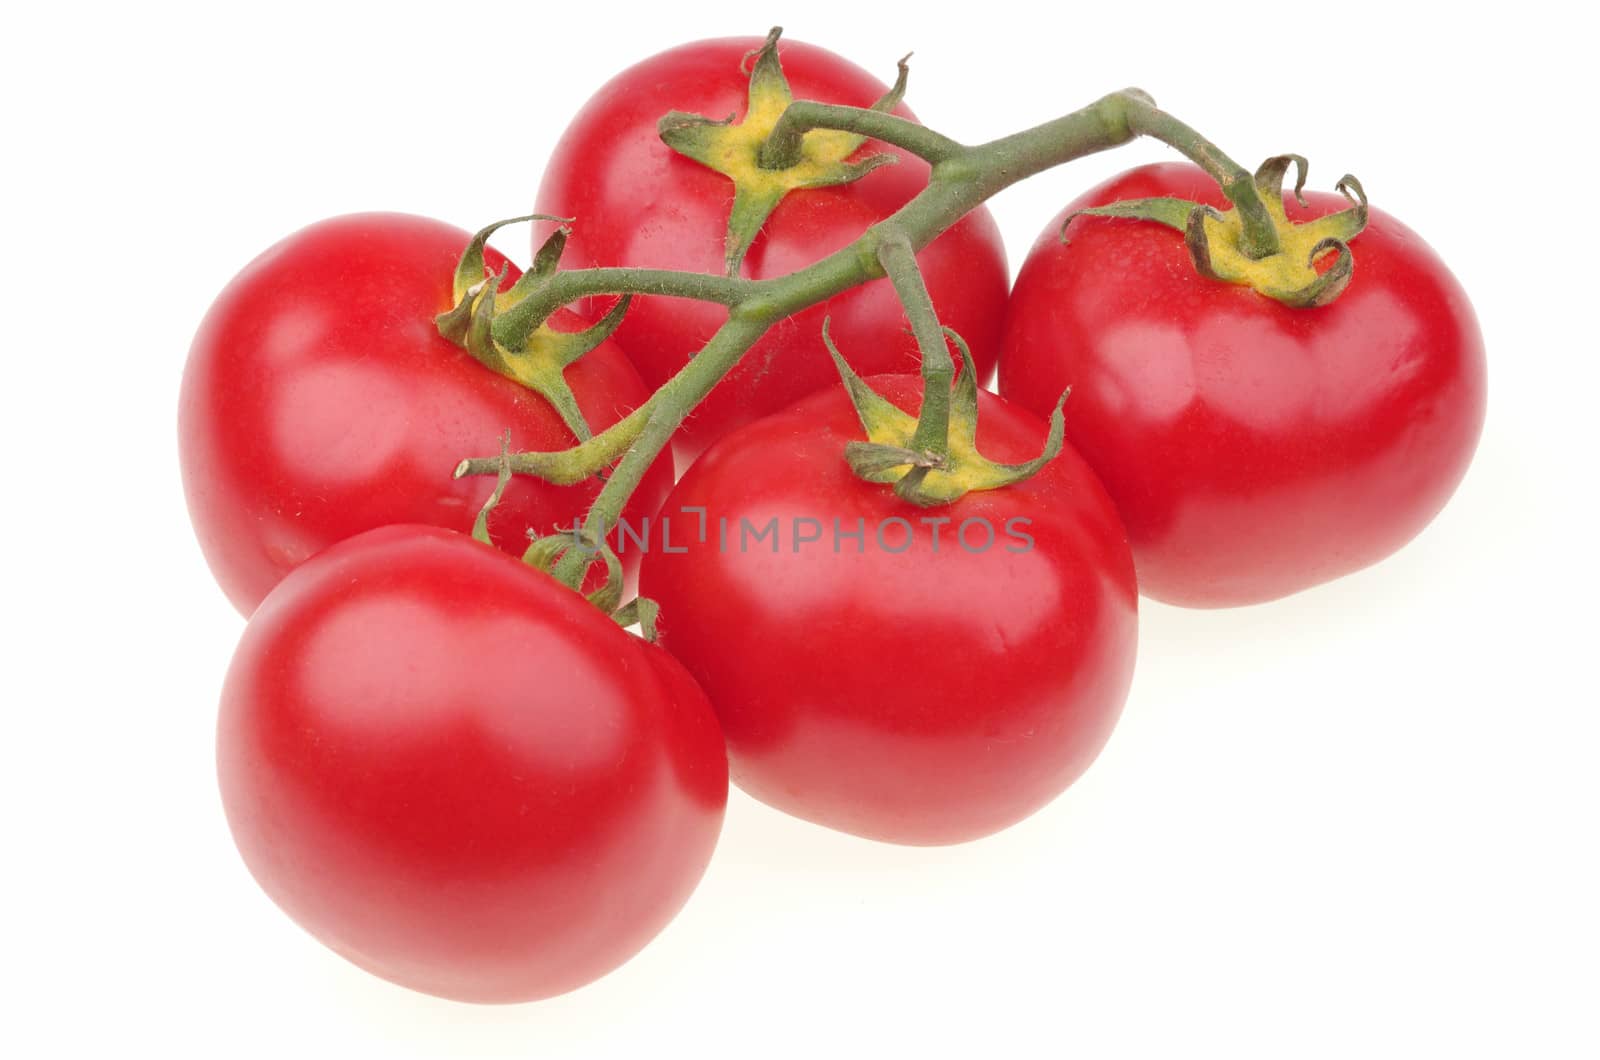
(637, 202)
(320, 401)
(1253, 450)
(897, 689)
(458, 774)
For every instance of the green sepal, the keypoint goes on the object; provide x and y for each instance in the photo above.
(469, 281)
(1269, 177)
(736, 148)
(750, 210)
(692, 135)
(964, 427)
(480, 525)
(870, 459)
(541, 366)
(546, 380)
(877, 413)
(453, 323)
(1174, 213)
(470, 266)
(608, 597)
(569, 346)
(538, 359)
(642, 612)
(544, 552)
(479, 340)
(1215, 238)
(548, 256)
(920, 477)
(545, 261)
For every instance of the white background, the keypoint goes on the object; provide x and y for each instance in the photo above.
(1359, 822)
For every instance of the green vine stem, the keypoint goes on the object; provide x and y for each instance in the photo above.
(899, 260)
(513, 327)
(962, 178)
(1260, 235)
(670, 405)
(783, 144)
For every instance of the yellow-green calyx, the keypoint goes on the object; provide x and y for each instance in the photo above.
(739, 150)
(1217, 239)
(924, 476)
(539, 362)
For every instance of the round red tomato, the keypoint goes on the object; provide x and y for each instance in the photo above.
(915, 675)
(320, 401)
(635, 201)
(1252, 449)
(458, 774)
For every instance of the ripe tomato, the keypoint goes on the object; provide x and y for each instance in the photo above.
(937, 679)
(637, 202)
(458, 774)
(320, 401)
(1253, 449)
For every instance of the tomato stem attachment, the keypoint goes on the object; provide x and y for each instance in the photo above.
(899, 261)
(1259, 238)
(765, 170)
(1215, 240)
(784, 144)
(891, 453)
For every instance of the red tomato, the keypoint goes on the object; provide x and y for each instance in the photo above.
(637, 202)
(929, 685)
(1253, 449)
(320, 401)
(458, 774)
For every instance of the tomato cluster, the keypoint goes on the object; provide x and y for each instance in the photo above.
(465, 776)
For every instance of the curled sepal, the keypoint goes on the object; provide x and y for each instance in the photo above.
(478, 340)
(1330, 282)
(923, 478)
(1352, 190)
(1297, 273)
(608, 597)
(470, 280)
(1198, 240)
(1269, 177)
(1291, 275)
(540, 357)
(454, 322)
(736, 148)
(545, 262)
(641, 611)
(470, 270)
(544, 552)
(480, 525)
